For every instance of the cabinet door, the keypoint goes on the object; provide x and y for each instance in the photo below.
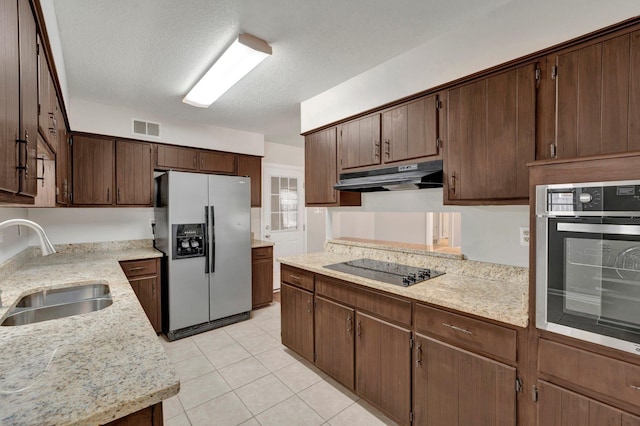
(411, 131)
(169, 157)
(456, 387)
(46, 114)
(134, 173)
(560, 407)
(252, 166)
(320, 167)
(92, 170)
(218, 162)
(261, 281)
(383, 366)
(10, 88)
(28, 98)
(147, 291)
(491, 137)
(360, 142)
(63, 161)
(297, 320)
(335, 325)
(597, 98)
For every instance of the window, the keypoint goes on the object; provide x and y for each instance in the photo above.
(284, 203)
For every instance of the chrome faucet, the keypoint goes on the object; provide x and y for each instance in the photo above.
(45, 244)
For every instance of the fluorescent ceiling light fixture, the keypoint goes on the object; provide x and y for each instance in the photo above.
(237, 61)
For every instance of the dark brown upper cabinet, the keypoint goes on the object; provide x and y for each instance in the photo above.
(134, 172)
(491, 138)
(92, 166)
(63, 161)
(47, 101)
(251, 166)
(591, 98)
(175, 157)
(360, 142)
(410, 131)
(320, 171)
(221, 163)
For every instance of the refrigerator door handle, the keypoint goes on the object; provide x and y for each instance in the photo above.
(206, 239)
(213, 239)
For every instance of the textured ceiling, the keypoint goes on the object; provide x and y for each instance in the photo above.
(146, 54)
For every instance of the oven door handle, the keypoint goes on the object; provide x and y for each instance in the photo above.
(600, 228)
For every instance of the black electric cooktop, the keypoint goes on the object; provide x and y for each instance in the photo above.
(387, 272)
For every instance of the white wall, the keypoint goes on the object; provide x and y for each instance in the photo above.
(85, 116)
(488, 233)
(516, 29)
(12, 243)
(82, 225)
(277, 153)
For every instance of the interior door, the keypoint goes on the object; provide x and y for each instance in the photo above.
(283, 216)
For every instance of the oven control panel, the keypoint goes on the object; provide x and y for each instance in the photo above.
(614, 198)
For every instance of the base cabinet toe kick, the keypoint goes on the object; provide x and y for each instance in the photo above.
(416, 363)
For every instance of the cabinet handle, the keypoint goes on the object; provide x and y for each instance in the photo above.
(118, 195)
(308, 305)
(294, 278)
(108, 194)
(349, 324)
(358, 329)
(194, 160)
(377, 151)
(419, 354)
(456, 328)
(153, 288)
(387, 148)
(553, 150)
(453, 183)
(201, 162)
(138, 268)
(634, 387)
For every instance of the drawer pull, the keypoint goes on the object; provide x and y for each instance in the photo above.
(456, 328)
(139, 268)
(634, 387)
(294, 277)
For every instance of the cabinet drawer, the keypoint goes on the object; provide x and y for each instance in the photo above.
(261, 253)
(468, 332)
(138, 268)
(297, 277)
(380, 305)
(589, 371)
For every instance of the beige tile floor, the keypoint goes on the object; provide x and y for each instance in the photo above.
(242, 375)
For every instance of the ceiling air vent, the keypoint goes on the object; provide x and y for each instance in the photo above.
(145, 128)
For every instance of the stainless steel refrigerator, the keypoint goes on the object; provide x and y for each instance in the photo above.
(203, 228)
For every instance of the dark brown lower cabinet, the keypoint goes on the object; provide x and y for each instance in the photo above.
(455, 387)
(383, 366)
(560, 407)
(297, 320)
(144, 277)
(335, 346)
(261, 276)
(150, 416)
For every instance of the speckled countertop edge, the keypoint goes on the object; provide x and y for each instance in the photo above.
(85, 369)
(498, 300)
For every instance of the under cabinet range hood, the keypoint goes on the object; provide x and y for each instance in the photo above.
(408, 176)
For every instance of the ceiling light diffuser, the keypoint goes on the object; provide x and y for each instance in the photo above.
(237, 61)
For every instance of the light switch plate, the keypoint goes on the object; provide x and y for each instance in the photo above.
(524, 235)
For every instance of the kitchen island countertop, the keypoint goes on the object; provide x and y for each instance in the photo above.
(501, 300)
(84, 369)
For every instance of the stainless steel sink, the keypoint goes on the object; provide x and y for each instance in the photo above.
(57, 303)
(59, 296)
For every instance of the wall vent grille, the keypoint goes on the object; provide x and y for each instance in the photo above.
(145, 128)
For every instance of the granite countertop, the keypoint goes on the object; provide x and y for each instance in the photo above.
(498, 300)
(85, 369)
(260, 243)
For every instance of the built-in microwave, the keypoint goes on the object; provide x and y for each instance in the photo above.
(588, 262)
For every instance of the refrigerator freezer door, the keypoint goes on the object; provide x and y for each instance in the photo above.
(188, 283)
(230, 284)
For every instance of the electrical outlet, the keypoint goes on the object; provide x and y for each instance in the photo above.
(524, 235)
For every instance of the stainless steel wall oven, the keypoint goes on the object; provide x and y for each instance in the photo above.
(588, 262)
